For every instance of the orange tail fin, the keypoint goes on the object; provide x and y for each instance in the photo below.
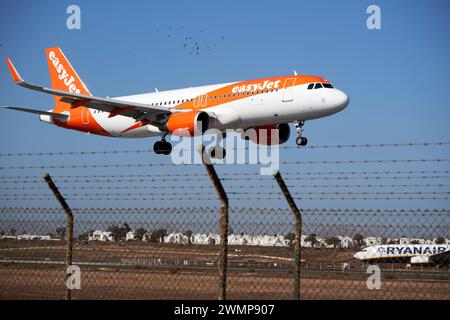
(63, 77)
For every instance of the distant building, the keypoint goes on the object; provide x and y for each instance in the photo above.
(373, 241)
(262, 240)
(404, 240)
(99, 235)
(129, 236)
(346, 242)
(177, 237)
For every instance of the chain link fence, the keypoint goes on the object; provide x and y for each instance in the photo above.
(150, 230)
(173, 253)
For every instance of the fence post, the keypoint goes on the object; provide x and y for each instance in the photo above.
(69, 227)
(298, 235)
(223, 223)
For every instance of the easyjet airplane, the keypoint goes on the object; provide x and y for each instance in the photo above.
(269, 103)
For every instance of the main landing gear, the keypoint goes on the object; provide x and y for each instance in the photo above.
(162, 147)
(217, 152)
(300, 140)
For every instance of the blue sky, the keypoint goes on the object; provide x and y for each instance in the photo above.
(396, 77)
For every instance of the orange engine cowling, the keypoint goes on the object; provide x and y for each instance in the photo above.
(267, 135)
(188, 123)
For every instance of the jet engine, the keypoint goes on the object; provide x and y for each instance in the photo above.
(267, 135)
(188, 123)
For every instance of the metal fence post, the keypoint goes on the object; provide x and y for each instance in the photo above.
(69, 227)
(223, 223)
(298, 235)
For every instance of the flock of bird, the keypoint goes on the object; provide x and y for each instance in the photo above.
(190, 43)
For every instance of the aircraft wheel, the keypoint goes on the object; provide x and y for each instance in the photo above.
(166, 148)
(301, 141)
(162, 147)
(217, 153)
(157, 147)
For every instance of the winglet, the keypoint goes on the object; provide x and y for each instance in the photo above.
(15, 75)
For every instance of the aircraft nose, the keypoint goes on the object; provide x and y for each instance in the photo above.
(357, 255)
(341, 99)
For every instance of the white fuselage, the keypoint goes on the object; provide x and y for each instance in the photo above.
(398, 251)
(282, 105)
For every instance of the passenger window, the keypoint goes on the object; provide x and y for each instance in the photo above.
(317, 86)
(310, 86)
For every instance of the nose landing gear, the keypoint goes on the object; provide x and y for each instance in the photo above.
(300, 140)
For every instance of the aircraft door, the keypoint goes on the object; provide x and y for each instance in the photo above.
(85, 115)
(200, 101)
(288, 90)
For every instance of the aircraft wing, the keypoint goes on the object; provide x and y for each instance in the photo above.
(134, 110)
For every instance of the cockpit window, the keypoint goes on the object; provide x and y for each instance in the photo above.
(327, 85)
(318, 86)
(310, 86)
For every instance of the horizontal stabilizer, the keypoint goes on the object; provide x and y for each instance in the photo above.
(58, 116)
(76, 98)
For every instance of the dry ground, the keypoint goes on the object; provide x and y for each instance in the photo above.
(46, 281)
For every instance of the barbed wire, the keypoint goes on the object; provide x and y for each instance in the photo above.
(216, 199)
(143, 165)
(237, 193)
(354, 178)
(241, 179)
(235, 187)
(207, 209)
(139, 151)
(187, 174)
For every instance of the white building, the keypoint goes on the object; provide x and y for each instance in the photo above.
(236, 240)
(99, 235)
(346, 242)
(176, 237)
(28, 237)
(373, 241)
(130, 236)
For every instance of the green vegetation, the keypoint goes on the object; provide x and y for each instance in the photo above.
(333, 241)
(119, 233)
(359, 240)
(312, 238)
